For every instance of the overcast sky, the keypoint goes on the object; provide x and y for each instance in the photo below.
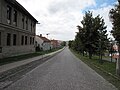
(60, 17)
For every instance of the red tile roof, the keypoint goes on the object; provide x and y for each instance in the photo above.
(44, 39)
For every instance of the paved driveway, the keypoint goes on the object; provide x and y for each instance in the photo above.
(62, 72)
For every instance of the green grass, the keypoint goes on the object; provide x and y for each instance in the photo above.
(25, 56)
(107, 69)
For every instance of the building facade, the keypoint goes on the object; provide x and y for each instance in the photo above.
(43, 43)
(17, 29)
(55, 43)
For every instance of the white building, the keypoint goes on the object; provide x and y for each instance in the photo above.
(43, 43)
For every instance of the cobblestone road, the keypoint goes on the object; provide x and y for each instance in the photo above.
(62, 72)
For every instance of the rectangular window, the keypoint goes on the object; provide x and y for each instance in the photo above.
(34, 28)
(0, 38)
(8, 14)
(30, 40)
(15, 17)
(8, 39)
(14, 39)
(22, 40)
(25, 40)
(31, 26)
(26, 23)
(23, 21)
(33, 40)
(0, 49)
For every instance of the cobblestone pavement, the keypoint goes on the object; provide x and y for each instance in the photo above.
(62, 72)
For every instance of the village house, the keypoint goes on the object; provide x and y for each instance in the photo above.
(17, 29)
(56, 43)
(42, 43)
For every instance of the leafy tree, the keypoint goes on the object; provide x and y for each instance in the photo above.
(115, 19)
(90, 33)
(80, 39)
(70, 44)
(92, 37)
(103, 40)
(63, 43)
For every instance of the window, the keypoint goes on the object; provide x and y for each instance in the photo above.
(22, 40)
(26, 23)
(0, 38)
(34, 28)
(14, 39)
(30, 40)
(0, 49)
(15, 18)
(25, 40)
(23, 19)
(33, 40)
(31, 26)
(8, 39)
(8, 14)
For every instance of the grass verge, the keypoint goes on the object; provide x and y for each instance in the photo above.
(107, 70)
(25, 56)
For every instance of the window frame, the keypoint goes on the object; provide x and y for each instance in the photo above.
(33, 40)
(26, 40)
(23, 21)
(26, 23)
(14, 39)
(22, 40)
(9, 12)
(30, 40)
(8, 39)
(0, 38)
(15, 17)
(31, 26)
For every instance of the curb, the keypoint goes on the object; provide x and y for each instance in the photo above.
(107, 72)
(26, 62)
(116, 77)
(6, 77)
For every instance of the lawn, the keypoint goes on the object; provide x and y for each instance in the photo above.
(25, 56)
(107, 69)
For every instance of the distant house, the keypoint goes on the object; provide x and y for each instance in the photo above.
(17, 29)
(56, 43)
(43, 43)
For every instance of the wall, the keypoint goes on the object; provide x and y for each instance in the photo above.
(47, 46)
(5, 28)
(17, 50)
(19, 18)
(39, 41)
(0, 10)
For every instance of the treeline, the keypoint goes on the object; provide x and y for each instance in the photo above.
(92, 37)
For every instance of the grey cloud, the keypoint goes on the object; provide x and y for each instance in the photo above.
(69, 5)
(62, 6)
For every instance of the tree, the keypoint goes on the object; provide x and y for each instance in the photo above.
(103, 40)
(93, 34)
(63, 43)
(115, 19)
(79, 41)
(70, 44)
(87, 23)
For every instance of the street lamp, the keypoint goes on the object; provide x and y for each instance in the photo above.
(47, 34)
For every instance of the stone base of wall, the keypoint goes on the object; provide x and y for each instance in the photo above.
(10, 51)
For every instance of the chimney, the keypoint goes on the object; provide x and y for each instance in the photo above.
(40, 35)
